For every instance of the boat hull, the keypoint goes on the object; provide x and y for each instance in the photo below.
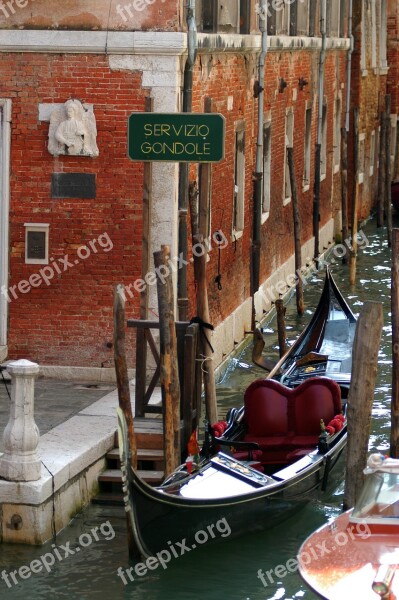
(340, 560)
(163, 518)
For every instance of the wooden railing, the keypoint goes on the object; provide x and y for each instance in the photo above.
(189, 372)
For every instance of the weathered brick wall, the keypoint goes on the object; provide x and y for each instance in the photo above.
(392, 54)
(223, 76)
(368, 90)
(70, 320)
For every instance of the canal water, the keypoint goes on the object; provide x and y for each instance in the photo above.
(82, 563)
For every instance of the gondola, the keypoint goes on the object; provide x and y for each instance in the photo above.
(325, 346)
(276, 451)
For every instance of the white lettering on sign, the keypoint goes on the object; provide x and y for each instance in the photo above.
(160, 129)
(176, 148)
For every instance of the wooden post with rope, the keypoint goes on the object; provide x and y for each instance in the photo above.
(169, 373)
(206, 346)
(122, 380)
(200, 229)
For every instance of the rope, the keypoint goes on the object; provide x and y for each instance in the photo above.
(203, 360)
(218, 279)
(203, 326)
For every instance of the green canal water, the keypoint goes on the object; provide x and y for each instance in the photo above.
(86, 568)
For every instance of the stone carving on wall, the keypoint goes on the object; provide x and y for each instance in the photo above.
(73, 130)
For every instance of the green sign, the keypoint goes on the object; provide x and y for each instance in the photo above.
(176, 137)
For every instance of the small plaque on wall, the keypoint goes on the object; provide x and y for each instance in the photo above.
(36, 243)
(73, 185)
(36, 246)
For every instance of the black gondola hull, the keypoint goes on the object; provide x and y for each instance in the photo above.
(162, 519)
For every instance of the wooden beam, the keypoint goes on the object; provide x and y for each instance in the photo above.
(141, 346)
(206, 347)
(122, 380)
(280, 308)
(168, 359)
(355, 204)
(381, 173)
(344, 189)
(394, 446)
(388, 167)
(361, 396)
(300, 305)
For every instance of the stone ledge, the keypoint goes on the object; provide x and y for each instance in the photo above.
(88, 374)
(94, 42)
(67, 451)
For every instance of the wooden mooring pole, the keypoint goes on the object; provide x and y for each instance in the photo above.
(381, 173)
(300, 305)
(394, 446)
(169, 373)
(355, 203)
(203, 314)
(280, 308)
(200, 212)
(122, 379)
(344, 188)
(388, 167)
(361, 396)
(141, 343)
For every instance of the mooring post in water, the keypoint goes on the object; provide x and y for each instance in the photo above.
(355, 203)
(282, 336)
(361, 396)
(394, 446)
(122, 379)
(169, 374)
(206, 346)
(381, 172)
(388, 167)
(300, 305)
(344, 188)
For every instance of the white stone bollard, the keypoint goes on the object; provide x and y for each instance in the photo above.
(20, 461)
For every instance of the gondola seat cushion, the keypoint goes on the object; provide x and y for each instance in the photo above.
(282, 420)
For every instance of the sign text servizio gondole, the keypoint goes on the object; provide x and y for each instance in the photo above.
(176, 137)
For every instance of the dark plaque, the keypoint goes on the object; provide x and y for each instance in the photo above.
(73, 185)
(36, 245)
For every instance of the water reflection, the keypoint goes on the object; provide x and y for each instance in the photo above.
(228, 570)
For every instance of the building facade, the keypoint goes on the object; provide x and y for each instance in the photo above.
(72, 211)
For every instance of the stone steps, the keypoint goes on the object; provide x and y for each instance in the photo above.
(150, 460)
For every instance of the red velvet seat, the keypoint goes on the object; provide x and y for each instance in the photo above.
(286, 421)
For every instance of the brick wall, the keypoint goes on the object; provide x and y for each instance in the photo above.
(223, 76)
(70, 320)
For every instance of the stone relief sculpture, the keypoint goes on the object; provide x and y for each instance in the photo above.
(73, 130)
